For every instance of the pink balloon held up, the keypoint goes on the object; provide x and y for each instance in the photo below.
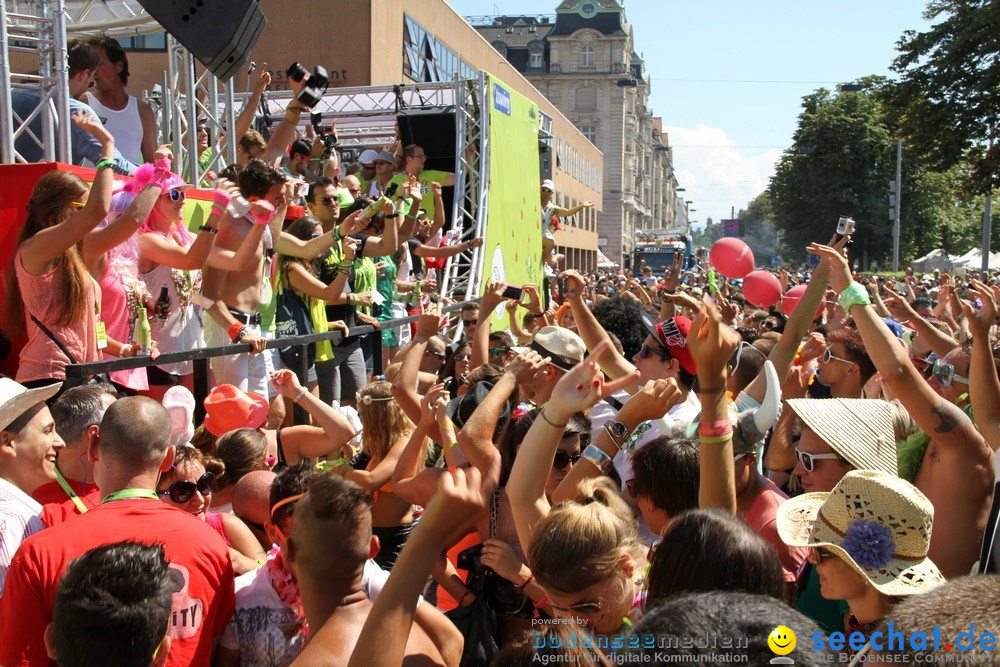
(731, 257)
(762, 288)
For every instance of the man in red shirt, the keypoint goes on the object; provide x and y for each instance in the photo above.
(128, 459)
(77, 414)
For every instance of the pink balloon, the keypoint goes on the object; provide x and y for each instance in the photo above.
(731, 257)
(791, 299)
(762, 288)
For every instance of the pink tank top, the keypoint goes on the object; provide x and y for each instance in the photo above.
(117, 292)
(41, 358)
(214, 520)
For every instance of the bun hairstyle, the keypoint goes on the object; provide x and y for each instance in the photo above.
(241, 451)
(592, 532)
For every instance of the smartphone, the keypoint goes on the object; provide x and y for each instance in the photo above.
(561, 286)
(513, 293)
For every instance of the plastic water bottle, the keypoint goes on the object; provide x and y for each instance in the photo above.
(144, 336)
(238, 207)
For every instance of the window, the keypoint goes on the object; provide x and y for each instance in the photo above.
(586, 56)
(590, 132)
(536, 59)
(586, 99)
(425, 58)
(156, 41)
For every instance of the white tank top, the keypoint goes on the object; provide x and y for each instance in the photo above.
(125, 126)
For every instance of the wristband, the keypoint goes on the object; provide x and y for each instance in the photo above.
(105, 162)
(450, 446)
(525, 584)
(598, 457)
(549, 421)
(302, 392)
(221, 198)
(315, 159)
(715, 428)
(234, 331)
(209, 229)
(218, 210)
(854, 294)
(264, 217)
(391, 216)
(345, 266)
(717, 440)
(352, 300)
(124, 348)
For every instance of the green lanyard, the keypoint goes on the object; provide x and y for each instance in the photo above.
(128, 494)
(70, 492)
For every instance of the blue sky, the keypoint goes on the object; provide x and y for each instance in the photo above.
(728, 76)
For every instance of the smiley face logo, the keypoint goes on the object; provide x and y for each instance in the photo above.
(781, 640)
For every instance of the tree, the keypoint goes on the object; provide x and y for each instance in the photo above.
(759, 230)
(948, 97)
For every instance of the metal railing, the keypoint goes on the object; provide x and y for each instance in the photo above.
(200, 358)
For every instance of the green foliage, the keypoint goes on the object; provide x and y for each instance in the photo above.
(759, 230)
(948, 96)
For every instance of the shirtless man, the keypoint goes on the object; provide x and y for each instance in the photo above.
(333, 524)
(956, 473)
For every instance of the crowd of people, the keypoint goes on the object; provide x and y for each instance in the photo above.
(616, 469)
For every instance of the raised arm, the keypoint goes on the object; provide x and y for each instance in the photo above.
(492, 297)
(594, 335)
(448, 250)
(38, 252)
(245, 119)
(379, 246)
(99, 241)
(404, 387)
(283, 135)
(984, 385)
(939, 342)
(712, 344)
(941, 419)
(410, 480)
(305, 441)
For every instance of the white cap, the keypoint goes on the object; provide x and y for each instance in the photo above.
(368, 157)
(548, 185)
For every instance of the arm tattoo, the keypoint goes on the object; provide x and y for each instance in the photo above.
(949, 415)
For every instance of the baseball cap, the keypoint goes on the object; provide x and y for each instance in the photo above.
(562, 346)
(671, 334)
(368, 156)
(548, 184)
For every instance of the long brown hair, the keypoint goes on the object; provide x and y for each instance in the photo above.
(383, 421)
(50, 205)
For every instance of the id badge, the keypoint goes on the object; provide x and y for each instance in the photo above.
(102, 335)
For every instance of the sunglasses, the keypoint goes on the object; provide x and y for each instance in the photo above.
(945, 373)
(829, 356)
(459, 358)
(330, 201)
(808, 460)
(176, 194)
(586, 608)
(546, 190)
(767, 325)
(734, 361)
(182, 491)
(562, 459)
(823, 554)
(499, 351)
(646, 351)
(469, 323)
(435, 354)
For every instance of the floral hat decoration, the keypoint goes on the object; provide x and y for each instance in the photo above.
(875, 522)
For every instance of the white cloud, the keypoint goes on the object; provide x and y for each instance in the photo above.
(715, 173)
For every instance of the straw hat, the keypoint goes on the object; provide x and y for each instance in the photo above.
(860, 430)
(16, 399)
(228, 407)
(875, 522)
(562, 346)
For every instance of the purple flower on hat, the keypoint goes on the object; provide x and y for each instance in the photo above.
(869, 544)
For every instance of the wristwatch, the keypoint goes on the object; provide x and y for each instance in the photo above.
(618, 431)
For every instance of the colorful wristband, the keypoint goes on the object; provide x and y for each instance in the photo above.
(106, 162)
(263, 217)
(718, 440)
(218, 210)
(221, 198)
(235, 330)
(854, 294)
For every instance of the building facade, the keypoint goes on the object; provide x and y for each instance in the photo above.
(584, 61)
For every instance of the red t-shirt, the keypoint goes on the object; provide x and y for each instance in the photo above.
(762, 517)
(201, 606)
(57, 506)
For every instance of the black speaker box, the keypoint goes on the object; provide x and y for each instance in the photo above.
(433, 129)
(219, 33)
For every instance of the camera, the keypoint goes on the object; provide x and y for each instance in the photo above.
(845, 226)
(315, 85)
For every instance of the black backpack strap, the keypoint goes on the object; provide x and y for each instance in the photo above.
(55, 340)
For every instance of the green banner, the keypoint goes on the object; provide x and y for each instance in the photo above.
(513, 244)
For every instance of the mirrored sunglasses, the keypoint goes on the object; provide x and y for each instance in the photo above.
(182, 491)
(945, 373)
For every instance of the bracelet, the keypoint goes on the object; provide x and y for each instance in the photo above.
(221, 198)
(315, 159)
(124, 348)
(525, 584)
(104, 162)
(265, 216)
(391, 216)
(236, 331)
(351, 300)
(411, 217)
(718, 440)
(302, 392)
(449, 447)
(551, 423)
(218, 210)
(209, 229)
(599, 458)
(711, 391)
(854, 294)
(716, 428)
(542, 602)
(540, 313)
(346, 265)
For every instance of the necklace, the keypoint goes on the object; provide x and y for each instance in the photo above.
(287, 588)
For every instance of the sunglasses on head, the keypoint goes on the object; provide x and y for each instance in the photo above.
(562, 459)
(829, 356)
(175, 194)
(808, 460)
(182, 491)
(945, 373)
(586, 608)
(734, 361)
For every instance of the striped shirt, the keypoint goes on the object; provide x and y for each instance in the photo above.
(19, 520)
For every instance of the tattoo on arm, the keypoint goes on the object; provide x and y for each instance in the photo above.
(949, 415)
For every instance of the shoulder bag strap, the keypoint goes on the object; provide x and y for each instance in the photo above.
(55, 340)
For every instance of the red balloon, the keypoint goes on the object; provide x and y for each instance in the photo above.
(791, 299)
(731, 257)
(761, 288)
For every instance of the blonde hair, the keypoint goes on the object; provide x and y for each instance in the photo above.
(593, 532)
(383, 421)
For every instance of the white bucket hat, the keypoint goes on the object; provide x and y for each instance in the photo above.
(860, 430)
(16, 399)
(875, 522)
(564, 348)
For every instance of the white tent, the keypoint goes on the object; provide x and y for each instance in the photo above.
(973, 260)
(603, 262)
(935, 259)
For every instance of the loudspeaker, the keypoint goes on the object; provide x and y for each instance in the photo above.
(544, 160)
(220, 34)
(433, 129)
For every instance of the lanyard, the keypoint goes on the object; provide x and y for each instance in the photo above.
(128, 494)
(70, 492)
